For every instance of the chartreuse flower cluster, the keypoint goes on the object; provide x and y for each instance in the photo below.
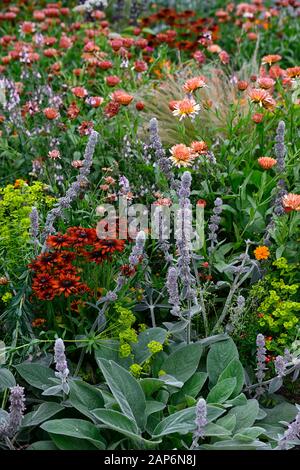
(279, 310)
(16, 202)
(126, 334)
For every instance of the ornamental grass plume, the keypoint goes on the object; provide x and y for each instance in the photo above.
(65, 201)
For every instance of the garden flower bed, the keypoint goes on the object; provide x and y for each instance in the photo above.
(149, 225)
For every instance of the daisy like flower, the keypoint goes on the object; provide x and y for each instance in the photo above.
(293, 72)
(185, 108)
(181, 155)
(194, 83)
(291, 202)
(266, 83)
(199, 146)
(261, 252)
(271, 59)
(267, 162)
(262, 98)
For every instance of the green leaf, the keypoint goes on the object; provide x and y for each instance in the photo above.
(42, 413)
(182, 421)
(236, 370)
(140, 349)
(183, 363)
(245, 414)
(72, 443)
(151, 385)
(85, 397)
(42, 445)
(7, 379)
(121, 423)
(282, 412)
(218, 358)
(109, 349)
(192, 387)
(221, 391)
(241, 399)
(126, 390)
(249, 434)
(236, 445)
(77, 428)
(152, 406)
(36, 375)
(227, 422)
(212, 429)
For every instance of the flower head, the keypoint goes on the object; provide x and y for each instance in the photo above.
(194, 83)
(261, 252)
(262, 97)
(271, 59)
(185, 108)
(267, 162)
(291, 202)
(181, 155)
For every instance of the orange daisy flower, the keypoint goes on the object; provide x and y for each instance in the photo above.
(291, 202)
(261, 252)
(271, 59)
(181, 155)
(194, 83)
(185, 108)
(199, 146)
(262, 97)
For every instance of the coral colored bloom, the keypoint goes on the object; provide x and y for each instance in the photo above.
(199, 146)
(242, 85)
(122, 97)
(112, 80)
(291, 202)
(50, 113)
(261, 252)
(185, 108)
(181, 155)
(267, 162)
(66, 284)
(140, 106)
(79, 92)
(271, 59)
(193, 84)
(266, 83)
(293, 72)
(262, 97)
(257, 118)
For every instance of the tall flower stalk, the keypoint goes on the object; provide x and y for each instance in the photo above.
(73, 191)
(261, 363)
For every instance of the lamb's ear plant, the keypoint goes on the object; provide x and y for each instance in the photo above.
(190, 395)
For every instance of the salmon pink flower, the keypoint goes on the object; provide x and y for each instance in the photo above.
(181, 155)
(266, 162)
(291, 202)
(50, 113)
(79, 92)
(194, 83)
(271, 59)
(186, 108)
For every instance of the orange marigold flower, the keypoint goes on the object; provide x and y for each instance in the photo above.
(271, 59)
(199, 146)
(267, 162)
(181, 155)
(194, 83)
(261, 252)
(291, 201)
(50, 113)
(186, 107)
(262, 97)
